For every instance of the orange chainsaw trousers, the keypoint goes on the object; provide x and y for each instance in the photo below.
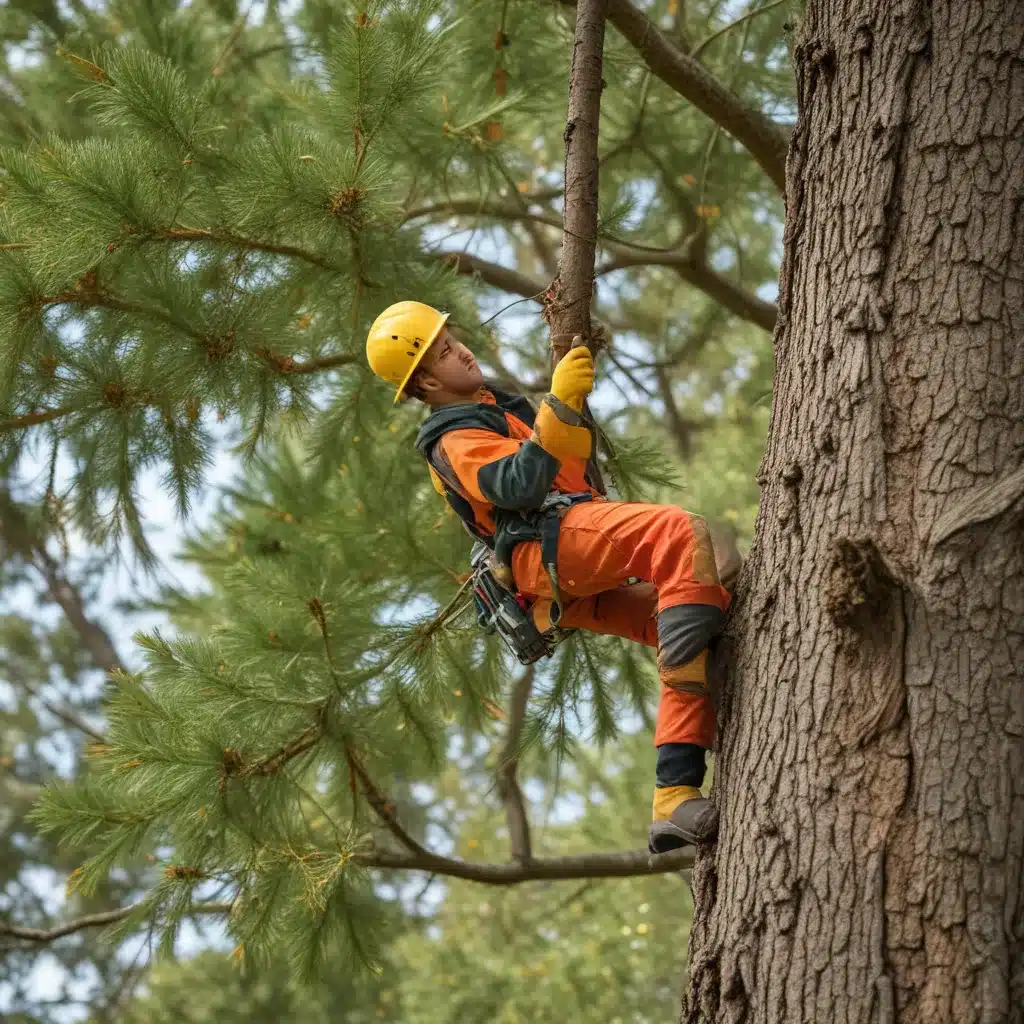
(602, 544)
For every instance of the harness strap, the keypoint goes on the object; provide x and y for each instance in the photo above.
(551, 514)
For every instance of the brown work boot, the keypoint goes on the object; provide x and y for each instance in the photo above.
(693, 821)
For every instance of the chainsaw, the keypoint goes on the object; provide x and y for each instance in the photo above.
(507, 614)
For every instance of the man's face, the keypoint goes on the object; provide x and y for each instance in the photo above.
(449, 369)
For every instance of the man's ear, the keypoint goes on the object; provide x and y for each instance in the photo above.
(427, 385)
(415, 388)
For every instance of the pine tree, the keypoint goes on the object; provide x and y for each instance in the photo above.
(871, 854)
(194, 257)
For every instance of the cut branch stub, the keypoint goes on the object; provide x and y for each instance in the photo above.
(567, 310)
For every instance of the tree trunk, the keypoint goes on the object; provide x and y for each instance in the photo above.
(871, 771)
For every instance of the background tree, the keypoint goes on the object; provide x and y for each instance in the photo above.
(194, 245)
(52, 658)
(871, 853)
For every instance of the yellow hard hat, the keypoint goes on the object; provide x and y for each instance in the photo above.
(399, 339)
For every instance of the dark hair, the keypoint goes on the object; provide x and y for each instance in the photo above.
(413, 389)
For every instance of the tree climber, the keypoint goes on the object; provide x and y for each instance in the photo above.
(518, 479)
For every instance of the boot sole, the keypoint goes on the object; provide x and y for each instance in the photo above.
(661, 830)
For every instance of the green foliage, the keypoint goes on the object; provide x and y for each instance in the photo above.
(229, 749)
(592, 951)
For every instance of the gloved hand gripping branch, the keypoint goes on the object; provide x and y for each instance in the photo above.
(559, 427)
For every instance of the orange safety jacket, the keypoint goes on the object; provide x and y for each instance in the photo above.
(492, 473)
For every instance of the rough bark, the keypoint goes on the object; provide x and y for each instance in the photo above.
(568, 312)
(871, 770)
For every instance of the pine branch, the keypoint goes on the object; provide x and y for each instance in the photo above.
(524, 867)
(475, 206)
(744, 304)
(189, 234)
(494, 274)
(626, 864)
(95, 638)
(681, 429)
(32, 419)
(321, 364)
(594, 865)
(481, 208)
(308, 738)
(89, 294)
(683, 261)
(104, 917)
(747, 305)
(508, 769)
(766, 141)
(241, 242)
(503, 211)
(64, 714)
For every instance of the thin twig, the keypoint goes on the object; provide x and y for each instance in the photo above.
(236, 30)
(728, 28)
(473, 207)
(65, 714)
(105, 917)
(448, 610)
(493, 274)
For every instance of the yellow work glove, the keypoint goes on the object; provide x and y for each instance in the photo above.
(573, 378)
